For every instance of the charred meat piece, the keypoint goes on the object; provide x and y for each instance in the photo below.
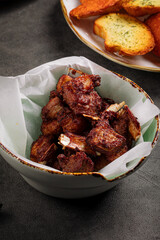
(72, 73)
(82, 103)
(111, 156)
(127, 125)
(134, 126)
(51, 127)
(108, 116)
(62, 80)
(74, 124)
(71, 122)
(55, 164)
(103, 160)
(100, 162)
(59, 118)
(50, 112)
(104, 139)
(121, 125)
(105, 105)
(80, 96)
(86, 83)
(53, 94)
(78, 162)
(43, 150)
(105, 114)
(52, 108)
(123, 122)
(110, 111)
(75, 142)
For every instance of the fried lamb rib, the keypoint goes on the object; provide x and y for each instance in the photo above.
(58, 118)
(79, 94)
(126, 124)
(104, 139)
(78, 162)
(75, 142)
(43, 150)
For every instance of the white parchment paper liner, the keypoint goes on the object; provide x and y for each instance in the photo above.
(23, 96)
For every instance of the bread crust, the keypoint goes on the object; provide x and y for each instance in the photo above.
(140, 9)
(124, 34)
(90, 8)
(154, 23)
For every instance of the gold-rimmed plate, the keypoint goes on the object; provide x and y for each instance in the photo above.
(83, 29)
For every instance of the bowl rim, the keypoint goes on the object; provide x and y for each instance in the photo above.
(51, 170)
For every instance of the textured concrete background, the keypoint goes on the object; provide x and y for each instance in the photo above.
(34, 32)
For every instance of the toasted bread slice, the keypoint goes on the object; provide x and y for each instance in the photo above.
(141, 7)
(154, 23)
(124, 34)
(90, 8)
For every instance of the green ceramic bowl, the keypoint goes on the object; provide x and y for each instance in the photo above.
(31, 92)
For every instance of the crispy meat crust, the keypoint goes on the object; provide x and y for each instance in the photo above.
(58, 118)
(43, 150)
(51, 127)
(133, 125)
(71, 122)
(103, 160)
(78, 162)
(104, 139)
(63, 79)
(81, 101)
(52, 109)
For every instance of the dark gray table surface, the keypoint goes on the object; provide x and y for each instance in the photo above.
(32, 33)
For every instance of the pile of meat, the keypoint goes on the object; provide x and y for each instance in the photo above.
(82, 132)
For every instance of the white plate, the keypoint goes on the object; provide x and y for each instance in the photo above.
(84, 31)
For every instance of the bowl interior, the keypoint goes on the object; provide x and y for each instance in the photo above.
(33, 93)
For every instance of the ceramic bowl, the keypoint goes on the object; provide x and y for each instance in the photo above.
(46, 179)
